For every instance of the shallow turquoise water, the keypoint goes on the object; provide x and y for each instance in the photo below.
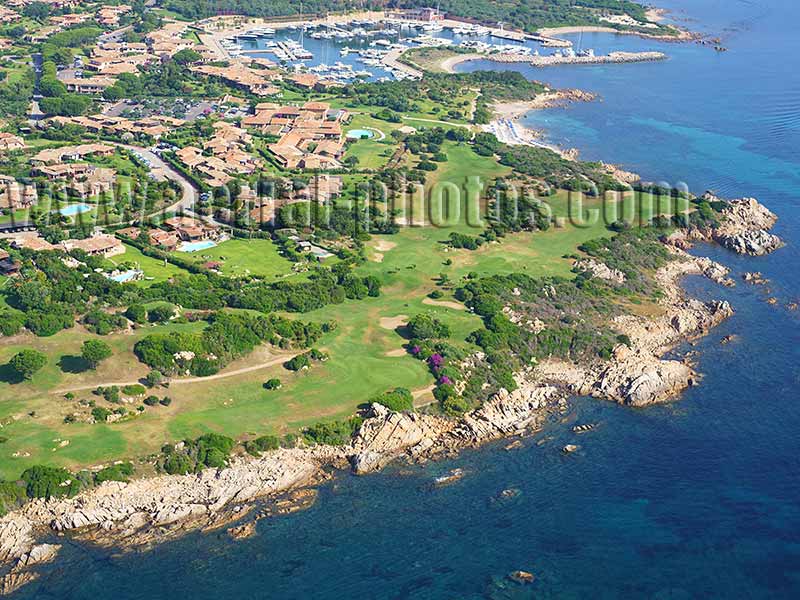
(699, 499)
(357, 134)
(74, 209)
(126, 276)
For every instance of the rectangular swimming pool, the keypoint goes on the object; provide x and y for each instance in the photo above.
(126, 276)
(196, 246)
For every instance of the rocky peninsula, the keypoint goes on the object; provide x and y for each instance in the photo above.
(145, 511)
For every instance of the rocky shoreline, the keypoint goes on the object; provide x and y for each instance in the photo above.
(549, 99)
(146, 511)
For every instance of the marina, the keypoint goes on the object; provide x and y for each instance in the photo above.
(371, 49)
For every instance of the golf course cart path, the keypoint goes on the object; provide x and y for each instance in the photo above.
(243, 370)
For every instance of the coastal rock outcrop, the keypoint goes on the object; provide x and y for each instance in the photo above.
(29, 556)
(745, 227)
(385, 435)
(503, 414)
(595, 268)
(754, 243)
(145, 510)
(16, 537)
(636, 375)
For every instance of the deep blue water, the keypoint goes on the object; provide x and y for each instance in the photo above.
(698, 499)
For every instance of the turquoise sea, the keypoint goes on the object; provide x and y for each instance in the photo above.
(698, 499)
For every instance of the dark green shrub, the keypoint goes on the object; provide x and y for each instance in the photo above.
(424, 327)
(49, 482)
(272, 384)
(262, 444)
(120, 472)
(398, 400)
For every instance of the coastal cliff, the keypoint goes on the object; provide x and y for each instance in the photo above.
(146, 511)
(637, 375)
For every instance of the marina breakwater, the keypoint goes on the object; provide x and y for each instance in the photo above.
(556, 60)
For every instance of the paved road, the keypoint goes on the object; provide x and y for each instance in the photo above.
(115, 36)
(198, 110)
(162, 171)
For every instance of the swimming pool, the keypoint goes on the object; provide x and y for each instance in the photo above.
(126, 276)
(358, 134)
(196, 246)
(75, 209)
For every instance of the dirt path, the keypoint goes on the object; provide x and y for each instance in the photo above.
(173, 382)
(473, 105)
(422, 397)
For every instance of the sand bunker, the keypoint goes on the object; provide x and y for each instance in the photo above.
(393, 323)
(444, 303)
(385, 246)
(396, 353)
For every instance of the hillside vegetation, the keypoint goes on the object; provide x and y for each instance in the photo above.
(523, 14)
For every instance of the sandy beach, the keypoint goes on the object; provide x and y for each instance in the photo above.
(448, 64)
(508, 130)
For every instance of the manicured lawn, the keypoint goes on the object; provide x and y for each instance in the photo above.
(241, 257)
(155, 270)
(372, 153)
(438, 205)
(363, 362)
(462, 162)
(32, 413)
(426, 109)
(18, 216)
